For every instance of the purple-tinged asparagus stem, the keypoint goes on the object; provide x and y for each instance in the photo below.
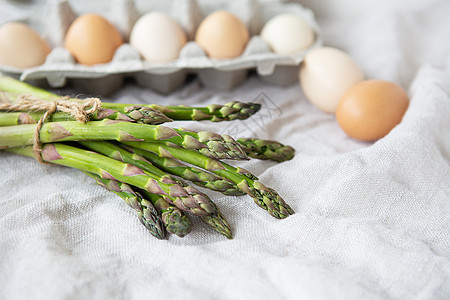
(233, 110)
(216, 221)
(173, 218)
(109, 168)
(131, 113)
(208, 143)
(265, 197)
(111, 150)
(16, 118)
(230, 111)
(196, 175)
(146, 211)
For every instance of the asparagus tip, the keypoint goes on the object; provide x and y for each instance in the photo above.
(180, 225)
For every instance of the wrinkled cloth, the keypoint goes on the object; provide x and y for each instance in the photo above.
(372, 219)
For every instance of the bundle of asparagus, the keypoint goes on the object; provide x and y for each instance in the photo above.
(124, 148)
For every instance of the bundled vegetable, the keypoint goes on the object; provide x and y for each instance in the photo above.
(124, 148)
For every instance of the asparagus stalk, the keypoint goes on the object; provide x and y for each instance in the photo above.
(208, 143)
(146, 211)
(173, 218)
(17, 118)
(196, 175)
(216, 221)
(110, 168)
(137, 114)
(230, 111)
(70, 156)
(265, 197)
(14, 86)
(118, 153)
(214, 218)
(266, 149)
(233, 110)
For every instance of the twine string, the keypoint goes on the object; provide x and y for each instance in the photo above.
(79, 109)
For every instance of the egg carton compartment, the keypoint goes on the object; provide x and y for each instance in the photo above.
(162, 83)
(61, 69)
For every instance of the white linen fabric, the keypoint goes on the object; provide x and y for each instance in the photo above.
(372, 219)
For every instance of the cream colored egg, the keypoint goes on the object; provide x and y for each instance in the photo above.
(157, 37)
(222, 35)
(326, 74)
(287, 34)
(21, 46)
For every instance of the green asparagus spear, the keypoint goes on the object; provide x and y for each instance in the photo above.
(146, 211)
(118, 153)
(218, 222)
(265, 197)
(208, 143)
(196, 175)
(110, 168)
(70, 156)
(17, 118)
(173, 218)
(14, 86)
(233, 110)
(266, 149)
(137, 114)
(230, 111)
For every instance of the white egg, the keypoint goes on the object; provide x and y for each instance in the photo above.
(287, 34)
(157, 37)
(326, 74)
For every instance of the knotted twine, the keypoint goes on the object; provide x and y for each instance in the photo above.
(79, 109)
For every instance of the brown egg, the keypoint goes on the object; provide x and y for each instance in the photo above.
(222, 35)
(21, 46)
(92, 39)
(370, 109)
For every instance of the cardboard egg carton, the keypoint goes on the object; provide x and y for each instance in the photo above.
(61, 69)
